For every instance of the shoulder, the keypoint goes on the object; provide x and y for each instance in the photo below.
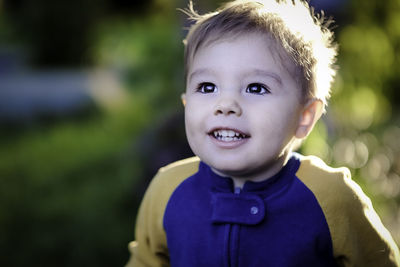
(312, 167)
(169, 177)
(151, 246)
(184, 166)
(175, 173)
(350, 216)
(334, 189)
(165, 182)
(327, 182)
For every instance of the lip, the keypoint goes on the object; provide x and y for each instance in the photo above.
(228, 144)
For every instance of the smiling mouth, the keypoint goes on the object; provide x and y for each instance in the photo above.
(228, 135)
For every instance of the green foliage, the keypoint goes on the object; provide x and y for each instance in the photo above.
(69, 191)
(148, 54)
(66, 193)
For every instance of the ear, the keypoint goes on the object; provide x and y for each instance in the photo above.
(309, 116)
(183, 99)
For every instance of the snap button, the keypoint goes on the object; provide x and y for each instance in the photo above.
(246, 209)
(254, 210)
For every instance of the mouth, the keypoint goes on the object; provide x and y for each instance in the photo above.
(228, 135)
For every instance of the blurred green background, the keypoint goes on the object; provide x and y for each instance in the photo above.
(90, 109)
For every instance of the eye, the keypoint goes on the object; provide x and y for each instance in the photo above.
(257, 88)
(206, 88)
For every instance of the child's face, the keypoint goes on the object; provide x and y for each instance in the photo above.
(242, 107)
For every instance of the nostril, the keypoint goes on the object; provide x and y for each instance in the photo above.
(218, 112)
(228, 107)
(228, 110)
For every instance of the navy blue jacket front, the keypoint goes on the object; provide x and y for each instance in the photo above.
(277, 222)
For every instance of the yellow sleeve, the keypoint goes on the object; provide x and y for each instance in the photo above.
(358, 235)
(150, 248)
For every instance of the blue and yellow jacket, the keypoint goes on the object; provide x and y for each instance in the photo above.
(306, 215)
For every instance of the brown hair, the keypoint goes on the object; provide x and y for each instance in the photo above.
(304, 35)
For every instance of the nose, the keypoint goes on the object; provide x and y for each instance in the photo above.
(227, 106)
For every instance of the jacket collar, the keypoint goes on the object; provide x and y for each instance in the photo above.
(267, 187)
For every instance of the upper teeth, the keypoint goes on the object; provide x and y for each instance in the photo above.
(227, 133)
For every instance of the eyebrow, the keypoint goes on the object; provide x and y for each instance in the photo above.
(255, 72)
(200, 72)
(259, 72)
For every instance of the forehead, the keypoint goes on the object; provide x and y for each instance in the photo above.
(269, 45)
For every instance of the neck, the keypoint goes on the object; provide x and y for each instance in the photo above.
(258, 175)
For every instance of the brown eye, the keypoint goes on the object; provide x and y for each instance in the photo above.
(257, 88)
(207, 88)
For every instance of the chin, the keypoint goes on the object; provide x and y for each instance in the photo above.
(229, 169)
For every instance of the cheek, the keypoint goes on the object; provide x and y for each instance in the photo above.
(196, 112)
(190, 132)
(188, 122)
(192, 122)
(276, 123)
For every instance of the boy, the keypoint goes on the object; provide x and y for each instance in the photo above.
(258, 74)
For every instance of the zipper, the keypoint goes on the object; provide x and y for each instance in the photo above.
(232, 240)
